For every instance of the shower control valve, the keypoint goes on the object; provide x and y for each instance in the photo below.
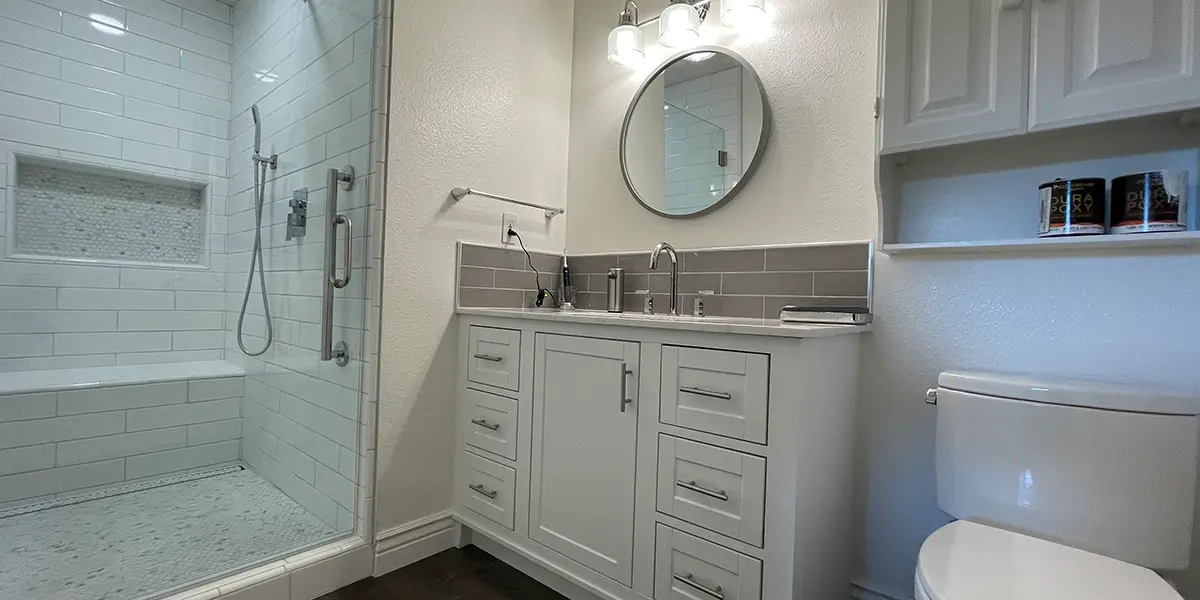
(297, 220)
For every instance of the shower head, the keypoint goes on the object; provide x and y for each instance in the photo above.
(257, 129)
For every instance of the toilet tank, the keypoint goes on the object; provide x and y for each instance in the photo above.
(1107, 468)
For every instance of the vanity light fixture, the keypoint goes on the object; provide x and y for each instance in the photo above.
(679, 25)
(744, 14)
(625, 45)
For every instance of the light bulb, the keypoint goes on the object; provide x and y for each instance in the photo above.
(744, 14)
(625, 46)
(679, 26)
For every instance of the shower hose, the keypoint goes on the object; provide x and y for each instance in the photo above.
(256, 258)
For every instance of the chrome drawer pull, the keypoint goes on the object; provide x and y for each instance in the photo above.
(491, 494)
(485, 424)
(702, 392)
(691, 485)
(686, 579)
(489, 357)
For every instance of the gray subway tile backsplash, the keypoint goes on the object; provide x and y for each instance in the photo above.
(749, 282)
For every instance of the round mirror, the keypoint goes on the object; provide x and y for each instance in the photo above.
(695, 132)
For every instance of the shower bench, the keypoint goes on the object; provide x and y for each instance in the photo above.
(73, 431)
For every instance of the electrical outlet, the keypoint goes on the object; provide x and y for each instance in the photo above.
(506, 223)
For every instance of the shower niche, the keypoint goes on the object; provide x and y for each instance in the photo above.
(71, 212)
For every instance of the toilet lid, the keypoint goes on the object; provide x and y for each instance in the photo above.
(968, 561)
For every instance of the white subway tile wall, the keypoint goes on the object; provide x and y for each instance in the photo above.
(308, 66)
(141, 87)
(702, 117)
(62, 443)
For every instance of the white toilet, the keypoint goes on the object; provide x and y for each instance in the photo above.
(1064, 490)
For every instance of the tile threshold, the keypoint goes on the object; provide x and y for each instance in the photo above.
(270, 571)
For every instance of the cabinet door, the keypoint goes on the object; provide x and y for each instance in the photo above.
(1096, 60)
(953, 71)
(584, 451)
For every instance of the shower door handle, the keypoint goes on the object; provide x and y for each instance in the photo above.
(347, 251)
(343, 179)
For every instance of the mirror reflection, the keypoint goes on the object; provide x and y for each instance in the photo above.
(693, 134)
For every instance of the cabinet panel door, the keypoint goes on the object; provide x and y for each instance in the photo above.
(584, 451)
(953, 70)
(1096, 60)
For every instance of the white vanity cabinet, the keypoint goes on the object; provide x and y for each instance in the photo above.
(659, 459)
(1097, 60)
(955, 71)
(585, 451)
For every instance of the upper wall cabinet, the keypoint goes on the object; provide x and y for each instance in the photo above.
(1097, 60)
(953, 71)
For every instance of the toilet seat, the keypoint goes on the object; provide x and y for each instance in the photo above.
(969, 561)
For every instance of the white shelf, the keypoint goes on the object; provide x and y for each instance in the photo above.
(1049, 245)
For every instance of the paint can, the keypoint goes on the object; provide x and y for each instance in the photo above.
(1072, 207)
(1151, 202)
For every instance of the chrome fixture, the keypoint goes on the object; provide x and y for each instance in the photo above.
(344, 179)
(678, 26)
(670, 250)
(297, 220)
(260, 165)
(647, 301)
(931, 396)
(460, 193)
(258, 158)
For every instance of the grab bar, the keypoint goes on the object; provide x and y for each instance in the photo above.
(344, 179)
(460, 193)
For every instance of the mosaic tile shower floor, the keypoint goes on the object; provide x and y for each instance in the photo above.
(134, 545)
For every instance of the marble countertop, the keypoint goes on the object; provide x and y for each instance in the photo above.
(764, 327)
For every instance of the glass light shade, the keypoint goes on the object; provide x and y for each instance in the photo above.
(679, 26)
(743, 14)
(625, 46)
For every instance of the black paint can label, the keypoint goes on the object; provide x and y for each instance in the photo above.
(1150, 202)
(1074, 207)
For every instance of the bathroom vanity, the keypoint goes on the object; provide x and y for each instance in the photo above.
(655, 457)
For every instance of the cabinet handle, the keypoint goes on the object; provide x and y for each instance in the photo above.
(1007, 5)
(483, 423)
(691, 485)
(491, 494)
(625, 373)
(489, 358)
(703, 392)
(687, 579)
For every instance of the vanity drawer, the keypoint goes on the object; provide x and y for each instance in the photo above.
(689, 568)
(494, 357)
(491, 423)
(487, 488)
(718, 489)
(717, 391)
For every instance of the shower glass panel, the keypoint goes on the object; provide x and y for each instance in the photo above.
(151, 155)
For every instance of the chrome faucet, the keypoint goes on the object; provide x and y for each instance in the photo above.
(670, 250)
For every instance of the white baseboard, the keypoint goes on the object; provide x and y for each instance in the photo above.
(862, 591)
(413, 541)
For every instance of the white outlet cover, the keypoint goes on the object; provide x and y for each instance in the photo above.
(508, 221)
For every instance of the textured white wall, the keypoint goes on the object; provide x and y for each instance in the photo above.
(815, 183)
(1115, 317)
(480, 98)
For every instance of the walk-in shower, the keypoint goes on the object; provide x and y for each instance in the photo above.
(260, 165)
(163, 425)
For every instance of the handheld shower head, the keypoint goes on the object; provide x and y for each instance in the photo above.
(257, 129)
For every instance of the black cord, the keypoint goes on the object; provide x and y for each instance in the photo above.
(542, 292)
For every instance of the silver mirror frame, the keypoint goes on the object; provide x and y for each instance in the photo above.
(758, 152)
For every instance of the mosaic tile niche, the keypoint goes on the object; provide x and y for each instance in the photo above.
(63, 212)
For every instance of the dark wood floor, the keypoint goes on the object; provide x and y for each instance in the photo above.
(466, 574)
